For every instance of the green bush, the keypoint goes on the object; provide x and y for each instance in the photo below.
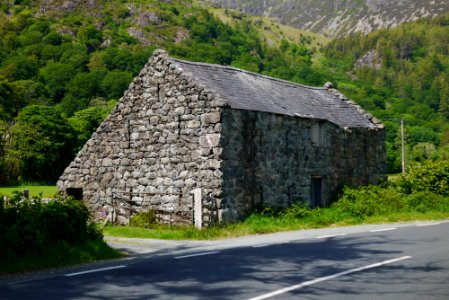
(368, 201)
(143, 219)
(426, 201)
(296, 211)
(432, 177)
(28, 227)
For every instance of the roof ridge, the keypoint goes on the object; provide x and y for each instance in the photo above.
(286, 82)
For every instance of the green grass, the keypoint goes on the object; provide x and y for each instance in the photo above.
(259, 224)
(47, 191)
(273, 31)
(60, 255)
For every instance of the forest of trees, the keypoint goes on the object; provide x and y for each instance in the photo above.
(407, 78)
(62, 72)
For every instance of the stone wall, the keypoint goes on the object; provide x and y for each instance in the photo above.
(158, 144)
(271, 159)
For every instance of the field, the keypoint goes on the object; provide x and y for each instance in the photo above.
(47, 191)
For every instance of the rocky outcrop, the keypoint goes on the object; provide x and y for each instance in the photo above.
(339, 17)
(370, 60)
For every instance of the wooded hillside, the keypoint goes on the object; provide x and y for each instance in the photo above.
(74, 61)
(401, 73)
(63, 66)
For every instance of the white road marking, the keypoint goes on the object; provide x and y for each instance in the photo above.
(95, 270)
(330, 235)
(262, 245)
(298, 240)
(383, 229)
(197, 254)
(428, 224)
(317, 280)
(130, 258)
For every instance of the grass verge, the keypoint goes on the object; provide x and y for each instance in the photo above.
(47, 191)
(60, 255)
(261, 224)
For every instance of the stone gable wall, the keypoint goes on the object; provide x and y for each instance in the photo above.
(271, 159)
(163, 137)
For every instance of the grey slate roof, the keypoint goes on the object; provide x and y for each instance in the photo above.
(250, 91)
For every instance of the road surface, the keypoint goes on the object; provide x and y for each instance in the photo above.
(391, 261)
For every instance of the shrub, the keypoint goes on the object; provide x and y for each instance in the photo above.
(296, 211)
(144, 219)
(432, 177)
(28, 227)
(368, 201)
(426, 201)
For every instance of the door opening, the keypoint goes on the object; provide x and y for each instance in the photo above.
(317, 191)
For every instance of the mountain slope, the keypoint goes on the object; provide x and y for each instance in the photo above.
(334, 18)
(401, 74)
(271, 30)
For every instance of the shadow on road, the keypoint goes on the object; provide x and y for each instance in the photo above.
(252, 271)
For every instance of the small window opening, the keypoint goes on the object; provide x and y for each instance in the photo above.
(76, 193)
(318, 134)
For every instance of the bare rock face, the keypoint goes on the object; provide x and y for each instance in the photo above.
(139, 34)
(335, 18)
(370, 59)
(148, 18)
(56, 7)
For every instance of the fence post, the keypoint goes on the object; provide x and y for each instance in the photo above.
(26, 194)
(198, 208)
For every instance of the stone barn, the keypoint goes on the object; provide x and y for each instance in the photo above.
(237, 138)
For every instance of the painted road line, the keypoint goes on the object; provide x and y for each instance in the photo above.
(261, 245)
(197, 254)
(330, 235)
(317, 280)
(95, 270)
(383, 229)
(428, 224)
(298, 240)
(129, 258)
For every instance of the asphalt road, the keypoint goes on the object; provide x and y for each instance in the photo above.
(392, 261)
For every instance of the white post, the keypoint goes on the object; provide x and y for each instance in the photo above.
(198, 207)
(402, 147)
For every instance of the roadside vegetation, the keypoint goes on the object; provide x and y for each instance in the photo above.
(36, 235)
(423, 194)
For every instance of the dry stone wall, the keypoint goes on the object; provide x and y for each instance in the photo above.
(271, 159)
(162, 138)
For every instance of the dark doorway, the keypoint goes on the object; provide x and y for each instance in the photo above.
(317, 191)
(76, 193)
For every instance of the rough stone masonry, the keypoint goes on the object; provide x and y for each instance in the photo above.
(242, 138)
